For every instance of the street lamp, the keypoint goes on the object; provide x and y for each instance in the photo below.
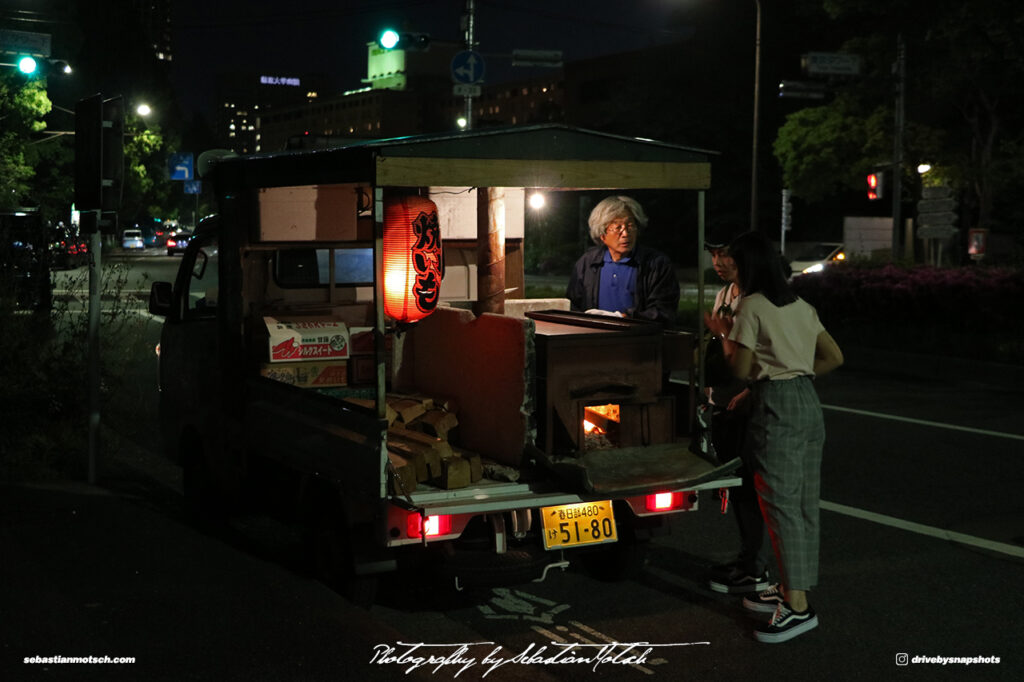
(143, 109)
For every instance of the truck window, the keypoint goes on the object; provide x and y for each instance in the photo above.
(201, 297)
(304, 268)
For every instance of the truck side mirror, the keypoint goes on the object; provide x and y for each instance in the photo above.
(160, 298)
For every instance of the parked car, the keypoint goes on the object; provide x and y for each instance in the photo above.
(25, 280)
(132, 239)
(818, 257)
(177, 242)
(68, 248)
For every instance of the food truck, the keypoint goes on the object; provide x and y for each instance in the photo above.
(346, 344)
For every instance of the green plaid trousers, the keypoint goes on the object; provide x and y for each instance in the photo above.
(787, 437)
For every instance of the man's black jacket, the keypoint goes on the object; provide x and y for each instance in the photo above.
(657, 289)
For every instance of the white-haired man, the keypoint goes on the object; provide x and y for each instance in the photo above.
(618, 276)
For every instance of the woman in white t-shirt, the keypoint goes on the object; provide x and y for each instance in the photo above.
(776, 342)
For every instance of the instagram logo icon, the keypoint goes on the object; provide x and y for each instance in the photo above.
(902, 659)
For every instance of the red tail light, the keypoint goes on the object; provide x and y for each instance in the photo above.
(660, 502)
(434, 525)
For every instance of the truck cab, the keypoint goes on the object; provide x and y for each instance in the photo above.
(484, 430)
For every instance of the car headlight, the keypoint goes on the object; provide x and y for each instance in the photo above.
(817, 267)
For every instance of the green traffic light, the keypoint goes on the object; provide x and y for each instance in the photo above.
(388, 39)
(27, 65)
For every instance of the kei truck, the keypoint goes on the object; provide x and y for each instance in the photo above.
(347, 345)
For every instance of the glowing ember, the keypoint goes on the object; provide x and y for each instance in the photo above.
(602, 421)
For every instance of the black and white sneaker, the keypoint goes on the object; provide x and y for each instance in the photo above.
(733, 579)
(786, 624)
(766, 601)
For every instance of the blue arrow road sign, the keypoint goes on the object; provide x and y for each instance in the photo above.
(468, 67)
(180, 166)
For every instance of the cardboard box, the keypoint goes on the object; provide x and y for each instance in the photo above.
(307, 338)
(310, 212)
(318, 374)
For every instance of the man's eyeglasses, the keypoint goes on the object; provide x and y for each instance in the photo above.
(621, 228)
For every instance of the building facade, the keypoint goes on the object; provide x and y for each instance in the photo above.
(243, 98)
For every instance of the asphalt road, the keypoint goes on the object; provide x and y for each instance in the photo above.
(922, 546)
(921, 554)
(922, 551)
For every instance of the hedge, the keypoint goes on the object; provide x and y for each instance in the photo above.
(966, 311)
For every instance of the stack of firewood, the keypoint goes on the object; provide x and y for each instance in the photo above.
(423, 445)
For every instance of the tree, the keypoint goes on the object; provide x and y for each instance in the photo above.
(52, 188)
(827, 149)
(147, 189)
(964, 103)
(23, 103)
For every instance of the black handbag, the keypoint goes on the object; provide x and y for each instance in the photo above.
(717, 371)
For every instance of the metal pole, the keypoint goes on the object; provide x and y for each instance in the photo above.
(757, 97)
(702, 265)
(900, 71)
(782, 232)
(470, 44)
(95, 271)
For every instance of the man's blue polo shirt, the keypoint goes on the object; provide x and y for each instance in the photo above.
(618, 283)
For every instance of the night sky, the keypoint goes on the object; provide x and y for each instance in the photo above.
(329, 37)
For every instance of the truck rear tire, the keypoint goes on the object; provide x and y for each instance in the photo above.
(623, 560)
(204, 503)
(331, 553)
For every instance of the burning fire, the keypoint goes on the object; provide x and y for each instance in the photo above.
(610, 413)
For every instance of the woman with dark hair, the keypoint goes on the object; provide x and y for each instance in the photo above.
(776, 342)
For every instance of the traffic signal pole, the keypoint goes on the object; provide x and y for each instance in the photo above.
(95, 272)
(99, 172)
(900, 71)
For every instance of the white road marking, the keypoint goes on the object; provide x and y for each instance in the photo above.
(580, 638)
(924, 422)
(922, 529)
(523, 605)
(608, 640)
(931, 531)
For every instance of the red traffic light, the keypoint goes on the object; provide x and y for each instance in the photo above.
(876, 186)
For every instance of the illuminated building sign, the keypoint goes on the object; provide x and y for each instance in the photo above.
(279, 80)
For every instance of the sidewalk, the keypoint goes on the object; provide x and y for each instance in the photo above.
(89, 572)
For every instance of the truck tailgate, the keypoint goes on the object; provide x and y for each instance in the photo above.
(636, 470)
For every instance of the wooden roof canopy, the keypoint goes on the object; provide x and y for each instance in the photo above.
(549, 156)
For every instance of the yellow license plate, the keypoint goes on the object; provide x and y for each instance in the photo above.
(572, 525)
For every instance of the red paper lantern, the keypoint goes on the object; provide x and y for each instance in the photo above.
(412, 258)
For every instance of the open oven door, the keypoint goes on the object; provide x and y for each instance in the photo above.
(636, 470)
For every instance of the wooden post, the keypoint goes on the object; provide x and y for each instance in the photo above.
(490, 222)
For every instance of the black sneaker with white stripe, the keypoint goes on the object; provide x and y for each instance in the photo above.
(733, 579)
(766, 601)
(786, 624)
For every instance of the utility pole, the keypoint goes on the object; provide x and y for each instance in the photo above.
(900, 71)
(757, 97)
(470, 45)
